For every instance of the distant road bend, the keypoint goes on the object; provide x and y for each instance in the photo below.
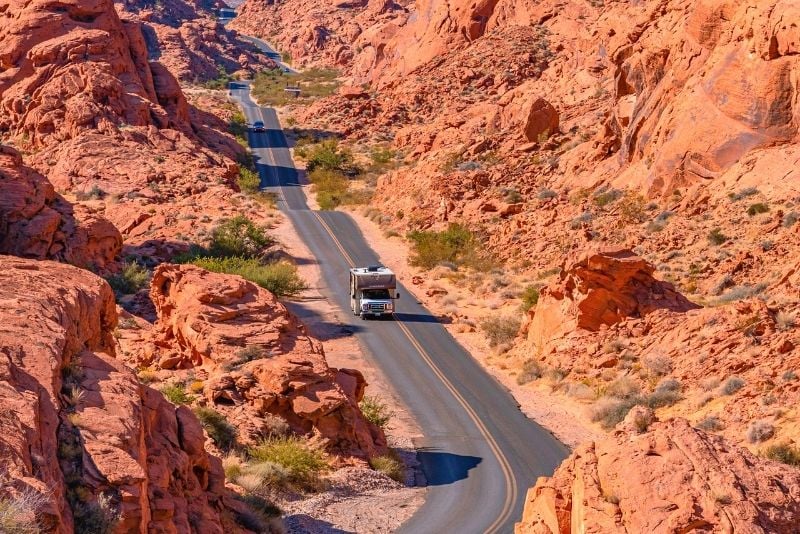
(480, 453)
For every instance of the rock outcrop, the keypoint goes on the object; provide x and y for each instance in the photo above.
(255, 360)
(35, 222)
(671, 478)
(77, 427)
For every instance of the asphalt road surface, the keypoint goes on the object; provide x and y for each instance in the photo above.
(479, 453)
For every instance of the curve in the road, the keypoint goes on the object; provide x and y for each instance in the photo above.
(480, 452)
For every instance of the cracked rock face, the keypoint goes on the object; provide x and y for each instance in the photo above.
(76, 423)
(671, 478)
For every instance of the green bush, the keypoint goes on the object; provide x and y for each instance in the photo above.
(390, 465)
(710, 423)
(268, 86)
(131, 279)
(280, 278)
(328, 155)
(500, 330)
(304, 463)
(330, 187)
(98, 517)
(239, 237)
(176, 394)
(217, 427)
(249, 181)
(732, 385)
(530, 297)
(610, 412)
(456, 245)
(375, 411)
(785, 453)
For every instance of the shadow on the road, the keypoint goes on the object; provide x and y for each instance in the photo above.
(442, 468)
(420, 318)
(321, 329)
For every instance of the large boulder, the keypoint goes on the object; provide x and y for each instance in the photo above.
(670, 478)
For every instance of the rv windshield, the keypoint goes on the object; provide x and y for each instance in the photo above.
(376, 294)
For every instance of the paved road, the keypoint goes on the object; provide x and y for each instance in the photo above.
(479, 453)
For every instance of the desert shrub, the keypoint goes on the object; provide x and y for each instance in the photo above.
(710, 423)
(632, 208)
(258, 475)
(716, 237)
(606, 197)
(329, 156)
(249, 353)
(304, 463)
(760, 430)
(176, 394)
(238, 237)
(500, 330)
(130, 279)
(260, 516)
(330, 186)
(578, 222)
(531, 370)
(233, 466)
(456, 244)
(610, 412)
(732, 385)
(530, 297)
(249, 181)
(375, 410)
(785, 321)
(756, 209)
(784, 453)
(742, 292)
(147, 375)
(97, 517)
(280, 278)
(790, 219)
(217, 427)
(622, 388)
(95, 193)
(19, 514)
(390, 465)
(546, 194)
(658, 364)
(744, 193)
(788, 376)
(667, 393)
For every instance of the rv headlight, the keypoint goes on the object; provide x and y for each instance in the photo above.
(389, 306)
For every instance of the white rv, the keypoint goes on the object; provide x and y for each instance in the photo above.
(372, 291)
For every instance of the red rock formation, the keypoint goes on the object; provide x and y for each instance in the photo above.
(672, 478)
(37, 223)
(76, 424)
(205, 320)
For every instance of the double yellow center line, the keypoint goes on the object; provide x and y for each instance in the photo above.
(510, 481)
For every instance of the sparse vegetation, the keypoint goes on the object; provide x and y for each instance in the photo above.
(785, 453)
(176, 394)
(500, 330)
(19, 514)
(217, 427)
(269, 86)
(611, 412)
(99, 517)
(390, 465)
(546, 194)
(130, 279)
(457, 245)
(530, 297)
(732, 385)
(741, 292)
(790, 219)
(249, 181)
(710, 423)
(785, 321)
(280, 278)
(95, 193)
(304, 463)
(531, 370)
(716, 237)
(760, 430)
(238, 237)
(756, 209)
(606, 197)
(375, 410)
(658, 364)
(744, 193)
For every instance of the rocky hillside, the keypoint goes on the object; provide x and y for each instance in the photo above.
(82, 439)
(704, 484)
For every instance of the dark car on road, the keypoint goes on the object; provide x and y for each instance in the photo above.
(258, 126)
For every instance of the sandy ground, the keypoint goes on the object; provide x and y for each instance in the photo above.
(359, 499)
(559, 415)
